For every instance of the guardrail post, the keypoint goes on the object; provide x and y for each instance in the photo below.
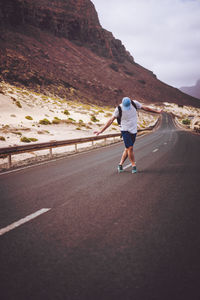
(9, 161)
(92, 143)
(76, 148)
(50, 152)
(105, 140)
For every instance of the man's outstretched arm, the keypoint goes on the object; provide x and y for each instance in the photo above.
(106, 126)
(147, 108)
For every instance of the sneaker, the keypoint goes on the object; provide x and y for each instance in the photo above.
(134, 169)
(120, 168)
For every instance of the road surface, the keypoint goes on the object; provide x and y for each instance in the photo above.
(75, 229)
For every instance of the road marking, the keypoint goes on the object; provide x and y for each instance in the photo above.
(24, 220)
(155, 150)
(126, 167)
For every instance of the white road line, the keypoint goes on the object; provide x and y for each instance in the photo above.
(126, 167)
(155, 150)
(24, 220)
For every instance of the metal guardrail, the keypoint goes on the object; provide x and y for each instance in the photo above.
(13, 150)
(9, 151)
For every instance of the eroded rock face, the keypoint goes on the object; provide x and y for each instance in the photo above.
(59, 46)
(75, 20)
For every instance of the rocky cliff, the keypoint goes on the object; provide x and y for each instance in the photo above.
(75, 20)
(60, 47)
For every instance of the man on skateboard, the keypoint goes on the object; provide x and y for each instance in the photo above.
(126, 114)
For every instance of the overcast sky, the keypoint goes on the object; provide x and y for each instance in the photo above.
(162, 35)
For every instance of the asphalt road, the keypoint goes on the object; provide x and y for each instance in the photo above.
(104, 235)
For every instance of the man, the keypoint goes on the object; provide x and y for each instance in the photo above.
(128, 127)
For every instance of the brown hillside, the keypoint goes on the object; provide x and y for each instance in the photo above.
(59, 46)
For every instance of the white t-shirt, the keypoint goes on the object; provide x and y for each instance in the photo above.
(129, 117)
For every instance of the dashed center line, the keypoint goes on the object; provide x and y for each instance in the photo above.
(24, 220)
(155, 150)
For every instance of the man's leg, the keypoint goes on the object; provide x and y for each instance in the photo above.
(129, 140)
(131, 155)
(124, 156)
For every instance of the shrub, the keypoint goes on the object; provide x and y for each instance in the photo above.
(66, 112)
(70, 119)
(186, 122)
(43, 131)
(94, 119)
(86, 106)
(24, 139)
(80, 124)
(29, 118)
(56, 120)
(33, 139)
(18, 133)
(45, 122)
(44, 97)
(25, 93)
(18, 104)
(2, 138)
(88, 127)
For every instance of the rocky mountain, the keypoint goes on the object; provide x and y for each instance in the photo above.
(59, 46)
(193, 91)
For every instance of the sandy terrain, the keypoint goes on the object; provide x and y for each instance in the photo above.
(22, 112)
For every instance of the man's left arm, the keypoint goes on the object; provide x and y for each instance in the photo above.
(147, 108)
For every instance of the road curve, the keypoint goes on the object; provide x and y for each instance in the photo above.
(76, 229)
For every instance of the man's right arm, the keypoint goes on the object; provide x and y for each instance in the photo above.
(106, 126)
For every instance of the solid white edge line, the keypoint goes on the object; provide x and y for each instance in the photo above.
(24, 220)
